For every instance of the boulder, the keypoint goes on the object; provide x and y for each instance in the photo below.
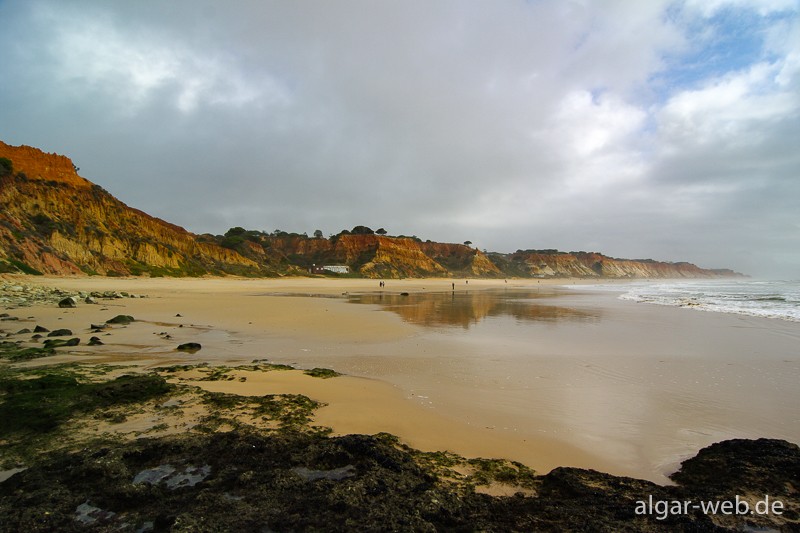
(60, 333)
(69, 301)
(58, 343)
(120, 319)
(190, 347)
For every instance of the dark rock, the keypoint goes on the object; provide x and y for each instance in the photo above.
(90, 300)
(190, 347)
(69, 301)
(58, 343)
(40, 329)
(762, 465)
(253, 481)
(60, 333)
(120, 319)
(9, 318)
(98, 326)
(23, 331)
(94, 341)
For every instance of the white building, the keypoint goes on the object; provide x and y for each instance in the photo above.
(336, 269)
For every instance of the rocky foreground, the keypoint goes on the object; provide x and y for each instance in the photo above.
(253, 481)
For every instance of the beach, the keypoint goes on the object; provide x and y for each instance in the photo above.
(518, 369)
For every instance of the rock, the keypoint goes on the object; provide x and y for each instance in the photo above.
(88, 514)
(58, 343)
(98, 326)
(173, 478)
(190, 347)
(9, 318)
(60, 333)
(40, 329)
(69, 301)
(120, 319)
(724, 467)
(255, 481)
(90, 300)
(94, 341)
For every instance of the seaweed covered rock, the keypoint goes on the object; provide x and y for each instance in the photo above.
(763, 465)
(190, 347)
(288, 481)
(121, 319)
(60, 333)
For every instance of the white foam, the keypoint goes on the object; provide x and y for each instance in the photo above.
(767, 299)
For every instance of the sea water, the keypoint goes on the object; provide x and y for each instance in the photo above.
(768, 299)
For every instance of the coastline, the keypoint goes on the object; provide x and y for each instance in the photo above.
(236, 323)
(216, 312)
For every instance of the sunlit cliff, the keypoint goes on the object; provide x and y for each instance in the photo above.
(53, 221)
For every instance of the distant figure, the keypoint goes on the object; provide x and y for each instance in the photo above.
(466, 281)
(454, 286)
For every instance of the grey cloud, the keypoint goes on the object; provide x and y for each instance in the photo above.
(442, 119)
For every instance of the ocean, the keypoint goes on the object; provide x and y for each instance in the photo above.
(767, 299)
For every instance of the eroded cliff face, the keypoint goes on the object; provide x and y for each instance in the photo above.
(595, 265)
(461, 259)
(372, 256)
(53, 221)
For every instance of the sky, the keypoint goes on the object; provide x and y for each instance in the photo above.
(641, 129)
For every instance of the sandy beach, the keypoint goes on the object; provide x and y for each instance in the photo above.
(548, 378)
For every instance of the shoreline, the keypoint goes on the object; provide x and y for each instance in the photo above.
(237, 323)
(354, 404)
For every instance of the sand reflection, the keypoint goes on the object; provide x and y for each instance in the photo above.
(466, 308)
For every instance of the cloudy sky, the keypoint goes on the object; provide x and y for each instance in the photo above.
(656, 128)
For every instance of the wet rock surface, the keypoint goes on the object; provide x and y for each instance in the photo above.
(285, 481)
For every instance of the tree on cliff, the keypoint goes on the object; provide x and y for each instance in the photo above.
(362, 230)
(318, 234)
(380, 231)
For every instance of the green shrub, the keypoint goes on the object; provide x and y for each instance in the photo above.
(6, 166)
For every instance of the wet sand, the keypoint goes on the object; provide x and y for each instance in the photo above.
(585, 380)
